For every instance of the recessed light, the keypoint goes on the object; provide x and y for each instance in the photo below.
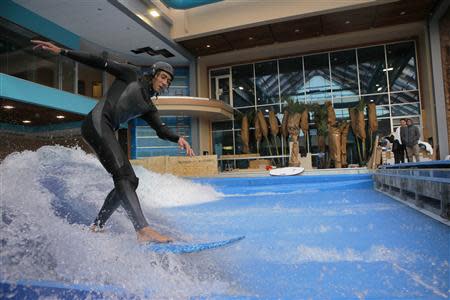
(154, 13)
(347, 22)
(297, 30)
(208, 46)
(402, 13)
(8, 106)
(26, 121)
(60, 117)
(250, 38)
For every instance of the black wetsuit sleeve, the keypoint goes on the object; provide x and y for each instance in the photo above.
(124, 72)
(153, 119)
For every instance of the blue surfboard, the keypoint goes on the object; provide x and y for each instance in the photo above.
(183, 248)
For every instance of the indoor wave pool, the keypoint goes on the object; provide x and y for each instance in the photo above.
(307, 237)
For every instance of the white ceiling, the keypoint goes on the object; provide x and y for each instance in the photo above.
(107, 28)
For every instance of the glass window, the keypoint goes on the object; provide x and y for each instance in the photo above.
(18, 58)
(382, 111)
(223, 142)
(405, 110)
(380, 99)
(239, 145)
(88, 78)
(226, 125)
(407, 97)
(372, 70)
(239, 114)
(266, 82)
(267, 108)
(384, 127)
(401, 59)
(292, 84)
(342, 114)
(243, 86)
(344, 73)
(345, 102)
(317, 78)
(68, 74)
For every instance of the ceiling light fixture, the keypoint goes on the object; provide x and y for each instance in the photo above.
(8, 107)
(26, 121)
(347, 22)
(154, 13)
(297, 30)
(250, 38)
(208, 46)
(402, 13)
(241, 88)
(60, 117)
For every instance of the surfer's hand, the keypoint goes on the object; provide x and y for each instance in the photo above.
(47, 46)
(185, 145)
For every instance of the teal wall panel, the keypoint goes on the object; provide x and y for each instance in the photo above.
(29, 92)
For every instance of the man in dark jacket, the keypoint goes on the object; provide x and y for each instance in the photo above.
(410, 136)
(128, 97)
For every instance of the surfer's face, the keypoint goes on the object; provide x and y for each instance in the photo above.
(161, 81)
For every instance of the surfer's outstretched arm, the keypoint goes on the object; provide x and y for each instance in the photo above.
(125, 72)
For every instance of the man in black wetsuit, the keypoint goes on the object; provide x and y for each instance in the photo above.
(128, 97)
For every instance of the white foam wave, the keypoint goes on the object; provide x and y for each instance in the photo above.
(48, 197)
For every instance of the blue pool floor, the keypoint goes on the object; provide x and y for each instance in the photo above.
(325, 237)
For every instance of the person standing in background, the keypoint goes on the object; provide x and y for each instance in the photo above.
(398, 148)
(410, 136)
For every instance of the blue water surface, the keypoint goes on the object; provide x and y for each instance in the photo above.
(313, 237)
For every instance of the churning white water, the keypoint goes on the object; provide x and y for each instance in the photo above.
(50, 196)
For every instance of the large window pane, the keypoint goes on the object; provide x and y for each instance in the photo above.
(267, 108)
(291, 79)
(68, 74)
(344, 73)
(18, 58)
(89, 81)
(317, 78)
(341, 106)
(225, 125)
(384, 127)
(407, 97)
(405, 110)
(223, 142)
(243, 87)
(378, 99)
(383, 111)
(402, 66)
(266, 81)
(372, 70)
(239, 114)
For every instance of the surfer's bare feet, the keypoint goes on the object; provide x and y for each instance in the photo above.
(148, 235)
(95, 228)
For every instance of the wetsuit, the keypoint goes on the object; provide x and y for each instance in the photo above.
(128, 97)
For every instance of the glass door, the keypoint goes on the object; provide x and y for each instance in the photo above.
(223, 84)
